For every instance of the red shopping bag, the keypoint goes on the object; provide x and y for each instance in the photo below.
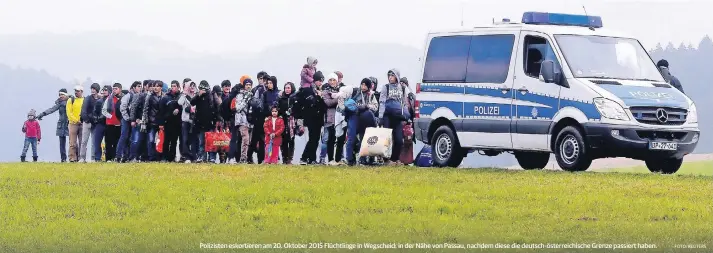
(217, 141)
(160, 138)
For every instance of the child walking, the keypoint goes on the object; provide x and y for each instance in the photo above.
(274, 126)
(33, 135)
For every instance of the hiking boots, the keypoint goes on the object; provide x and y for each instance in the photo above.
(34, 158)
(22, 159)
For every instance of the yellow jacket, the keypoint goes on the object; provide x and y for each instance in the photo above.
(74, 110)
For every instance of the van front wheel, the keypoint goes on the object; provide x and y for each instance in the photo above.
(446, 148)
(664, 165)
(571, 151)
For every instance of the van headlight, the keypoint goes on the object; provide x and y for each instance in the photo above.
(610, 109)
(692, 114)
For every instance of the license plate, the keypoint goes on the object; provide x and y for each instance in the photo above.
(663, 145)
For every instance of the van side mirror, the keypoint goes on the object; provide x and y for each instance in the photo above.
(547, 71)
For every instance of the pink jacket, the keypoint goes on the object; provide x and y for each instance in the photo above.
(31, 128)
(307, 75)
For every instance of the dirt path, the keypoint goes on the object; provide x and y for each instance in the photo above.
(611, 163)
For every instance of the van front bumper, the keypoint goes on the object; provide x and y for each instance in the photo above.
(606, 140)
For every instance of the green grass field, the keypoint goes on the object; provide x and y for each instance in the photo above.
(174, 208)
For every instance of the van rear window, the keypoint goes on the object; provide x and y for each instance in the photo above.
(472, 59)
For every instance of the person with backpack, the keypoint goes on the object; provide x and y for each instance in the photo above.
(307, 73)
(122, 148)
(151, 118)
(285, 104)
(329, 94)
(112, 111)
(241, 106)
(62, 129)
(33, 136)
(189, 140)
(138, 133)
(74, 110)
(359, 118)
(256, 117)
(310, 110)
(393, 112)
(88, 122)
(99, 117)
(170, 121)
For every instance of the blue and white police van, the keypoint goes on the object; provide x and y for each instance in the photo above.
(554, 83)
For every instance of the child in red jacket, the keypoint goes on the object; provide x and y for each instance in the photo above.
(33, 135)
(274, 126)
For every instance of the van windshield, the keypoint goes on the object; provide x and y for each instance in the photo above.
(607, 58)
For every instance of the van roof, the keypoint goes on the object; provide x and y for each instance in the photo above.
(547, 29)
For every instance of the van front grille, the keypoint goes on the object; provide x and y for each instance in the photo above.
(660, 115)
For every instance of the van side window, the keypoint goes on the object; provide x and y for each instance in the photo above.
(489, 60)
(537, 49)
(447, 59)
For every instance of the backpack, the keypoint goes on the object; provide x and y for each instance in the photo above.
(424, 158)
(395, 108)
(257, 102)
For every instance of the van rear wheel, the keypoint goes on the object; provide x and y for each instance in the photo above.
(570, 150)
(446, 148)
(532, 160)
(664, 165)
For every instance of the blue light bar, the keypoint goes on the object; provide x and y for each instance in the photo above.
(544, 18)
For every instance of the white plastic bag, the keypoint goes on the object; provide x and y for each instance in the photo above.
(376, 142)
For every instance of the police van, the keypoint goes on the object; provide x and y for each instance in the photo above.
(554, 83)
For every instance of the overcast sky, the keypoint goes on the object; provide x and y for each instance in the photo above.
(251, 25)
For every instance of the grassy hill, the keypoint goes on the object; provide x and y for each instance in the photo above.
(175, 208)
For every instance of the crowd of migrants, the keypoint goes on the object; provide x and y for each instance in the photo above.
(258, 116)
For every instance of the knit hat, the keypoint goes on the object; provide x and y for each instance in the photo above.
(95, 86)
(32, 113)
(78, 87)
(318, 76)
(63, 91)
(311, 60)
(339, 74)
(204, 85)
(404, 80)
(106, 88)
(247, 80)
(242, 78)
(333, 76)
(226, 83)
(367, 82)
(217, 89)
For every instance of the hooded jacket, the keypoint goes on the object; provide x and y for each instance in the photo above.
(63, 121)
(109, 109)
(307, 73)
(32, 129)
(241, 101)
(391, 91)
(272, 97)
(330, 101)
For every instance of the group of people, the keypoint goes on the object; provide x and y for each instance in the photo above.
(262, 120)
